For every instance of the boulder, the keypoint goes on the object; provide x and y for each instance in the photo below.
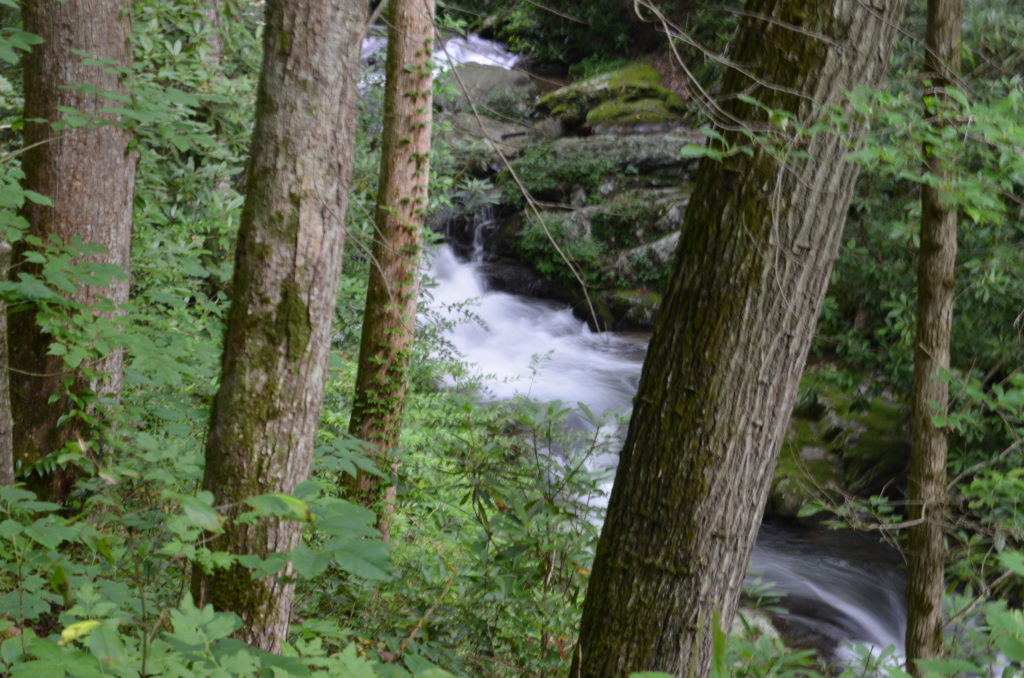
(601, 166)
(631, 95)
(497, 92)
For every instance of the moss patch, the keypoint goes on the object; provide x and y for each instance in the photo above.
(625, 112)
(631, 94)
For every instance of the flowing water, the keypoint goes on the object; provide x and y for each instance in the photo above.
(837, 587)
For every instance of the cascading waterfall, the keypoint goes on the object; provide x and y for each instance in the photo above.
(838, 588)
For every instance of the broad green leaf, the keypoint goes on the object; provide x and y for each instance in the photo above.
(949, 667)
(201, 514)
(283, 506)
(366, 558)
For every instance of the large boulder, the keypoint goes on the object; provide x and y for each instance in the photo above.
(601, 166)
(496, 92)
(501, 123)
(633, 95)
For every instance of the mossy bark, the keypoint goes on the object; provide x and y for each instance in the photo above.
(390, 317)
(287, 265)
(729, 344)
(926, 551)
(89, 175)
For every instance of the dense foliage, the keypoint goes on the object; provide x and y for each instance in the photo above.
(494, 535)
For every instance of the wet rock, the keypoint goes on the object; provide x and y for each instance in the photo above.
(620, 310)
(479, 141)
(514, 278)
(651, 260)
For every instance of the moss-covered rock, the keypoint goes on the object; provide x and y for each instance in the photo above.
(601, 166)
(621, 310)
(633, 94)
(620, 112)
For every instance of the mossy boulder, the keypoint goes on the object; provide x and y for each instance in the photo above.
(619, 112)
(601, 166)
(620, 310)
(630, 95)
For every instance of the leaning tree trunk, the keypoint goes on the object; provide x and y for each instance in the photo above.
(89, 175)
(287, 265)
(926, 550)
(729, 345)
(390, 317)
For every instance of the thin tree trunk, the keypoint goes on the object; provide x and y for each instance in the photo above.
(287, 266)
(213, 10)
(6, 423)
(390, 317)
(728, 348)
(89, 175)
(926, 551)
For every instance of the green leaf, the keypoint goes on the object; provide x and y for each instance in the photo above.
(1011, 646)
(309, 563)
(37, 198)
(349, 664)
(949, 667)
(1013, 561)
(201, 513)
(346, 520)
(366, 558)
(282, 506)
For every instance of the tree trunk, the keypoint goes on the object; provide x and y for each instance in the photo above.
(6, 423)
(729, 345)
(390, 316)
(926, 551)
(89, 175)
(287, 265)
(212, 12)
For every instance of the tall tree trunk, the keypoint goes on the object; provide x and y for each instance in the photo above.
(287, 265)
(390, 317)
(6, 423)
(926, 551)
(89, 175)
(729, 345)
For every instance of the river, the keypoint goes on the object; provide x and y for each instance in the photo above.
(836, 587)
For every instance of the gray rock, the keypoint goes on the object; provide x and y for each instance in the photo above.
(497, 92)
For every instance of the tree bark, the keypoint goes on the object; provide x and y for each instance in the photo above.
(212, 11)
(389, 320)
(6, 423)
(729, 345)
(926, 550)
(89, 175)
(287, 266)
